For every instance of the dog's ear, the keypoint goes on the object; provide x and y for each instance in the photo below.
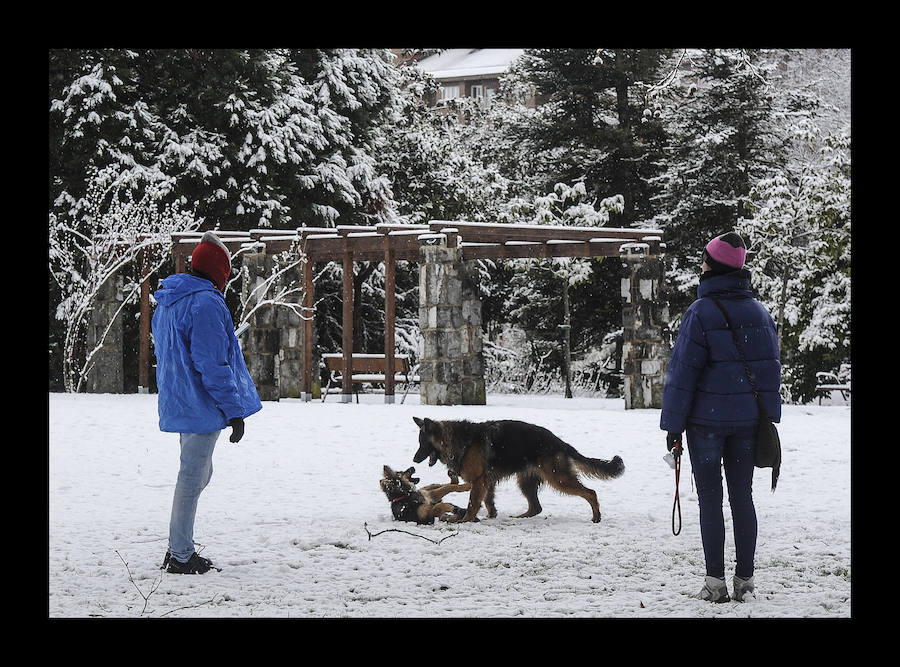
(388, 472)
(425, 424)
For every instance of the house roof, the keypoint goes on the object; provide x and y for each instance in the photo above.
(460, 63)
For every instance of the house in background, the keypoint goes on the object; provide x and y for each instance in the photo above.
(468, 72)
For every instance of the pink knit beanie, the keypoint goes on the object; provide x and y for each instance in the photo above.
(726, 252)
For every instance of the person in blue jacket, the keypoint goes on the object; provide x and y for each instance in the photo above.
(708, 396)
(203, 385)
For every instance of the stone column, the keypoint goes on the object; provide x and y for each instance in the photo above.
(273, 345)
(106, 376)
(645, 353)
(290, 348)
(451, 364)
(260, 343)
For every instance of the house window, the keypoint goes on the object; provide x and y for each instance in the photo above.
(449, 93)
(478, 92)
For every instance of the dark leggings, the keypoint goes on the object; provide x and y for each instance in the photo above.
(709, 448)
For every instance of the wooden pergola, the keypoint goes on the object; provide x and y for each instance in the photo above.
(390, 243)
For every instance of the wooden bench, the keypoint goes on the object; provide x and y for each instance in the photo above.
(368, 369)
(829, 382)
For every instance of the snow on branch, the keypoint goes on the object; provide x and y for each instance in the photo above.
(280, 288)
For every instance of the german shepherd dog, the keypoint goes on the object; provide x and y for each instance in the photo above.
(409, 503)
(484, 453)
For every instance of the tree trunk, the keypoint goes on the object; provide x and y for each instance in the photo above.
(781, 304)
(567, 339)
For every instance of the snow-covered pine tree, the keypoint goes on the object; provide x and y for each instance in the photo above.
(254, 137)
(720, 117)
(587, 125)
(428, 158)
(800, 235)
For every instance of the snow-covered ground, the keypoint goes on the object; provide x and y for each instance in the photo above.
(290, 509)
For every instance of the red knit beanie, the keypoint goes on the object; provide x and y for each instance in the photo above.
(211, 257)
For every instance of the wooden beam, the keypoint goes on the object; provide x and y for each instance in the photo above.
(538, 250)
(347, 325)
(365, 246)
(144, 357)
(185, 242)
(307, 330)
(180, 258)
(500, 233)
(390, 296)
(387, 227)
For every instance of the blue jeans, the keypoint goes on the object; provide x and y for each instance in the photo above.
(709, 448)
(193, 476)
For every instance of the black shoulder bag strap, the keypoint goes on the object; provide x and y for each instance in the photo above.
(762, 411)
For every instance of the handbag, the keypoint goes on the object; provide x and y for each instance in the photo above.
(768, 445)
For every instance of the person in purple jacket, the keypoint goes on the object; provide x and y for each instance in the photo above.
(708, 396)
(203, 384)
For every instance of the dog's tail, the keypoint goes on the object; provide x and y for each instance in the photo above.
(599, 468)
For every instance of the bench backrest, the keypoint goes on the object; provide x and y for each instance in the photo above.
(367, 363)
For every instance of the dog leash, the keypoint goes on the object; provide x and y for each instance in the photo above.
(676, 453)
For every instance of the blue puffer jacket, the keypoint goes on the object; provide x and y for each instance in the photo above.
(200, 371)
(705, 381)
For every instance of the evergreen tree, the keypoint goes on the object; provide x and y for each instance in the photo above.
(723, 139)
(588, 126)
(800, 235)
(427, 156)
(254, 137)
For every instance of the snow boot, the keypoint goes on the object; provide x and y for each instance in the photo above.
(195, 565)
(743, 588)
(714, 590)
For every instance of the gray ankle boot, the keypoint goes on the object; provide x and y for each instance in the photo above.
(714, 590)
(743, 588)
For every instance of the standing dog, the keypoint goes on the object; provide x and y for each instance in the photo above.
(482, 454)
(409, 503)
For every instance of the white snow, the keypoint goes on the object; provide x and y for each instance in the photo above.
(287, 511)
(458, 63)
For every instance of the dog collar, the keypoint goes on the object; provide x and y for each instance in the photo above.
(399, 498)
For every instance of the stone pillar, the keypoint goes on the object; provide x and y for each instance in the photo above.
(290, 347)
(106, 376)
(260, 343)
(273, 345)
(451, 364)
(645, 353)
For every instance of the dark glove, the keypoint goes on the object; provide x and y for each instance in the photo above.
(673, 441)
(237, 429)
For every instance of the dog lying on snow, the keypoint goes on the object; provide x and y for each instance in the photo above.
(484, 453)
(409, 503)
